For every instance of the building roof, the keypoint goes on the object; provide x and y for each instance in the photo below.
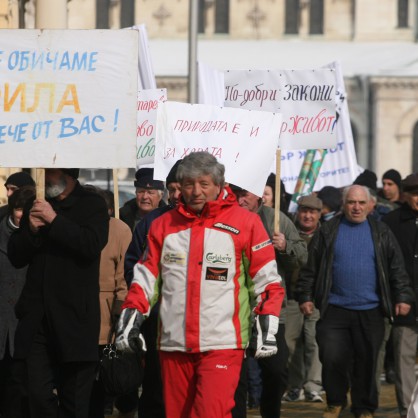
(170, 57)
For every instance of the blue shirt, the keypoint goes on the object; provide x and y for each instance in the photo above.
(354, 272)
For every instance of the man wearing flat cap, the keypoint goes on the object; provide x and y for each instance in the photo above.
(404, 224)
(304, 365)
(149, 193)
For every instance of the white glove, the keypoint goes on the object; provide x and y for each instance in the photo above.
(128, 331)
(263, 338)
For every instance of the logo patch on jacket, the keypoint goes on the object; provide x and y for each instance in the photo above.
(217, 274)
(218, 258)
(175, 258)
(229, 228)
(261, 245)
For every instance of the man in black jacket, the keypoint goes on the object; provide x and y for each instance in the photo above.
(404, 224)
(355, 276)
(148, 196)
(60, 240)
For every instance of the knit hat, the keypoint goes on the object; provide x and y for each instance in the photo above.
(393, 175)
(145, 179)
(367, 178)
(410, 183)
(20, 179)
(310, 201)
(172, 175)
(331, 197)
(72, 172)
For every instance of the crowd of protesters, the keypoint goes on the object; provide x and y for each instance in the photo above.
(230, 312)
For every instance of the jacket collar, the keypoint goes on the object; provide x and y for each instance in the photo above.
(211, 209)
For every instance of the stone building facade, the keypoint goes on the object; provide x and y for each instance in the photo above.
(383, 107)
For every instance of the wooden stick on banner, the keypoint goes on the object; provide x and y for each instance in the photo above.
(40, 183)
(277, 192)
(116, 192)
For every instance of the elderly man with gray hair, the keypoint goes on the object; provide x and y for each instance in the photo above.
(355, 276)
(208, 261)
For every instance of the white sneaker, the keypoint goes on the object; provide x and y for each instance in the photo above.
(313, 397)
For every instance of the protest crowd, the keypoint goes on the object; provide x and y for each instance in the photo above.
(218, 310)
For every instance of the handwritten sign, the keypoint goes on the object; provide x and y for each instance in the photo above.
(244, 141)
(306, 99)
(339, 168)
(148, 101)
(68, 98)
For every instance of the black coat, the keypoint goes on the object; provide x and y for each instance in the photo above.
(315, 279)
(129, 213)
(62, 284)
(402, 222)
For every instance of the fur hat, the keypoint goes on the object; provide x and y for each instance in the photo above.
(145, 179)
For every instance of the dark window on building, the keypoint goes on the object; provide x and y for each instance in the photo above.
(292, 17)
(316, 17)
(222, 16)
(102, 14)
(127, 13)
(415, 150)
(202, 17)
(403, 13)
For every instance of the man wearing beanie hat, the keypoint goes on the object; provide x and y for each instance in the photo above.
(60, 239)
(392, 185)
(151, 403)
(149, 194)
(14, 182)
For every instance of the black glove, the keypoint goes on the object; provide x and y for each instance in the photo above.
(128, 331)
(263, 337)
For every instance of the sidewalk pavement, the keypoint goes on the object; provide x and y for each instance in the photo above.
(387, 407)
(301, 409)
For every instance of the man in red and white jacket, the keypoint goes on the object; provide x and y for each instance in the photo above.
(210, 262)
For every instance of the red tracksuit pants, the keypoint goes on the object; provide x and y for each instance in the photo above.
(200, 385)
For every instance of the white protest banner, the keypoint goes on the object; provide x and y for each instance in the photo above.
(148, 101)
(68, 98)
(146, 77)
(339, 167)
(306, 99)
(210, 85)
(244, 141)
